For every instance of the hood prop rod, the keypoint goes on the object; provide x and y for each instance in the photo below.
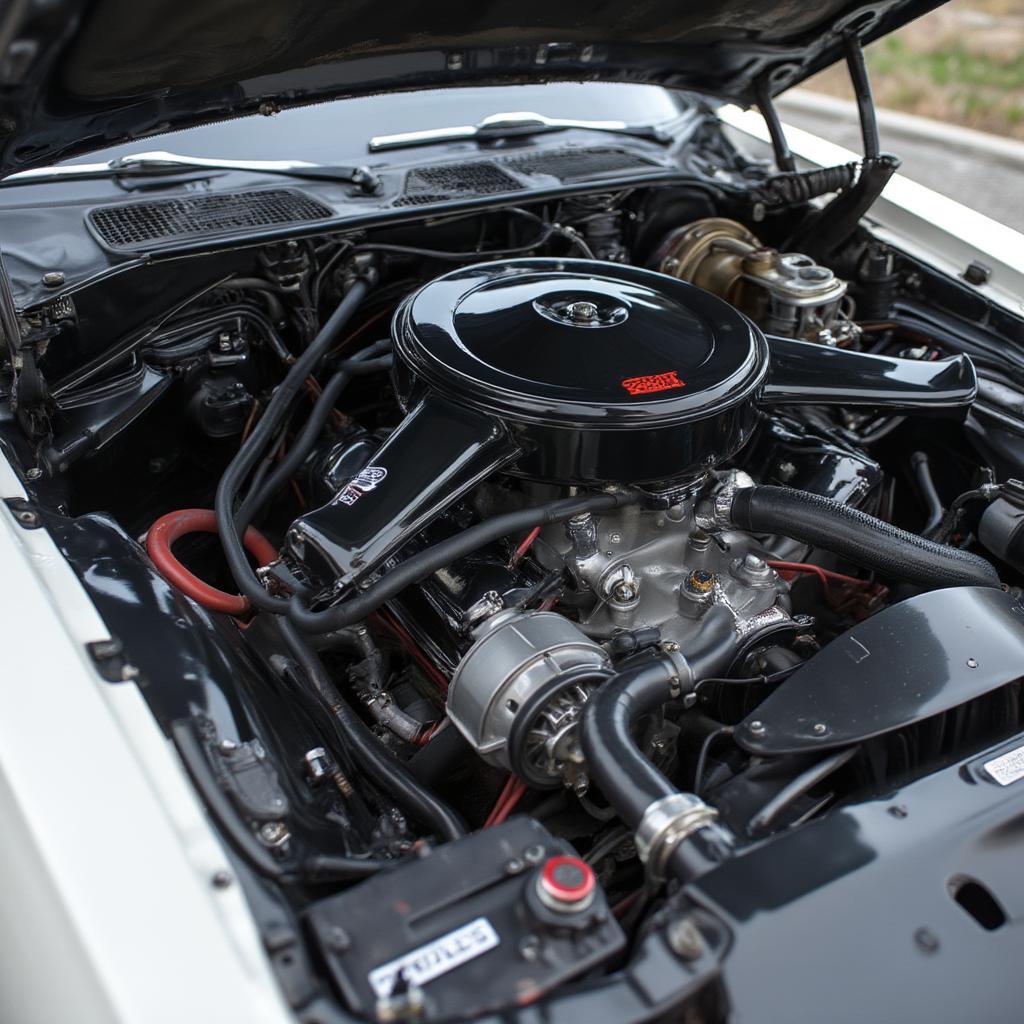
(824, 231)
(858, 69)
(783, 157)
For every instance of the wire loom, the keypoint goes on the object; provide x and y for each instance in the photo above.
(795, 187)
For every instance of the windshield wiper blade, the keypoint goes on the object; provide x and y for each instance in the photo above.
(510, 125)
(159, 163)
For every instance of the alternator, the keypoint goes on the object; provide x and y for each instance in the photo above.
(517, 695)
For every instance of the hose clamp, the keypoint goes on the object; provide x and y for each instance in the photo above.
(665, 824)
(681, 674)
(715, 513)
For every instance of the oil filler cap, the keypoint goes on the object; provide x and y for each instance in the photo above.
(566, 884)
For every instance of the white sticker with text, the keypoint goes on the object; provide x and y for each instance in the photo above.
(435, 958)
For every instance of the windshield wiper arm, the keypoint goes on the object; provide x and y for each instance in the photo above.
(509, 125)
(158, 163)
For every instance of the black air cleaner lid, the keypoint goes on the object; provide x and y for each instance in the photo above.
(580, 342)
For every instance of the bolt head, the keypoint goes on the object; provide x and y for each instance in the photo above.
(927, 941)
(582, 312)
(700, 581)
(684, 939)
(819, 729)
(53, 278)
(534, 854)
(757, 728)
(273, 832)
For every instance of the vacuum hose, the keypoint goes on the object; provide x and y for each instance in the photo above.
(855, 536)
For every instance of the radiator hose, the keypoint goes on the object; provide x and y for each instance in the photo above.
(676, 833)
(853, 535)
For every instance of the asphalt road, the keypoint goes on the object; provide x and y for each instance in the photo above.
(976, 180)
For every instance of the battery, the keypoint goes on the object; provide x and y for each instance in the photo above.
(493, 920)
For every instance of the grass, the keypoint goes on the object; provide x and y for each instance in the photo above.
(963, 63)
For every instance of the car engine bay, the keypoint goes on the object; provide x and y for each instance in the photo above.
(499, 574)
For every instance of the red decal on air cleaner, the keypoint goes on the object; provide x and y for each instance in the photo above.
(652, 382)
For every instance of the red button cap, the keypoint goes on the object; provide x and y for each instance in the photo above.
(567, 880)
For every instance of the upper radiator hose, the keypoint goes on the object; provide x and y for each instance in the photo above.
(676, 833)
(854, 535)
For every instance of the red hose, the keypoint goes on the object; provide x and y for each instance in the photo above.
(169, 528)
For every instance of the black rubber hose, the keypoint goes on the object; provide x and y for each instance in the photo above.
(251, 451)
(629, 781)
(929, 495)
(329, 867)
(367, 751)
(265, 288)
(443, 753)
(421, 565)
(858, 537)
(369, 361)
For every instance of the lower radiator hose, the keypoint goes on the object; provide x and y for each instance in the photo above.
(855, 536)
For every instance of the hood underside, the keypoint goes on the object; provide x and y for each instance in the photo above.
(77, 76)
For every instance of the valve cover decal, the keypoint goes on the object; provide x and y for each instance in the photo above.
(366, 480)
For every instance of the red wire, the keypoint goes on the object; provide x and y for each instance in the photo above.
(825, 575)
(169, 528)
(626, 902)
(510, 795)
(428, 733)
(505, 790)
(513, 798)
(524, 546)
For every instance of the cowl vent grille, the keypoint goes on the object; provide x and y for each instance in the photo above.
(579, 164)
(137, 225)
(425, 185)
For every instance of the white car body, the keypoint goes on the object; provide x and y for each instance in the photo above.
(119, 903)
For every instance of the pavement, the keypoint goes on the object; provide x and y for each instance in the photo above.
(981, 171)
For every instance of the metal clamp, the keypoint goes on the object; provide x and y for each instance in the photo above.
(715, 513)
(665, 824)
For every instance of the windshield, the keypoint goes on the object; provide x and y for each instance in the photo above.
(300, 134)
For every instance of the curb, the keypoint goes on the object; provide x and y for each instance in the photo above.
(967, 140)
